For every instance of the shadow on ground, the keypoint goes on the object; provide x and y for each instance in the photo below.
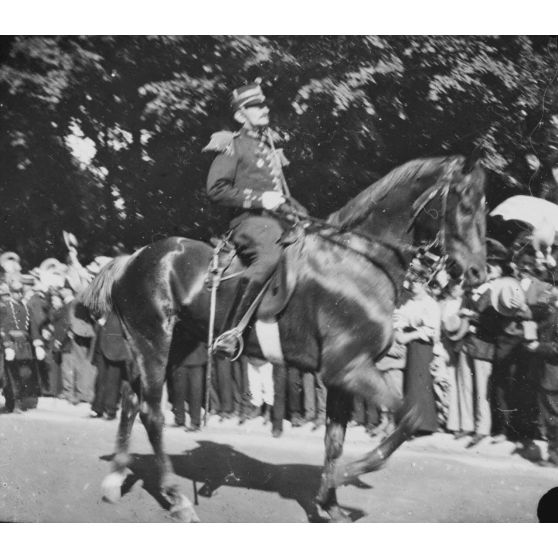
(212, 465)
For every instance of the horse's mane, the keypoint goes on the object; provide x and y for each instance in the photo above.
(97, 296)
(358, 209)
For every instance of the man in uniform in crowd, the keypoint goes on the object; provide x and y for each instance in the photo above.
(247, 176)
(10, 266)
(21, 345)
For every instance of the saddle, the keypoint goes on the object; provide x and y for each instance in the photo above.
(279, 287)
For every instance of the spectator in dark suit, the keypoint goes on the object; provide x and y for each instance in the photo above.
(113, 360)
(73, 334)
(188, 379)
(546, 347)
(287, 388)
(314, 394)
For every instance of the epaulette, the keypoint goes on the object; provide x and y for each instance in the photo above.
(275, 136)
(221, 142)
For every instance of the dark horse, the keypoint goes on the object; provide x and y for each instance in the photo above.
(338, 320)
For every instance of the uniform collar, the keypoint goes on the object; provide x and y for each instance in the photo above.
(254, 134)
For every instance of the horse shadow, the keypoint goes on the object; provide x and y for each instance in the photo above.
(214, 465)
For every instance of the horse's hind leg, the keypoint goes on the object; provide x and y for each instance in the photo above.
(112, 484)
(338, 411)
(153, 419)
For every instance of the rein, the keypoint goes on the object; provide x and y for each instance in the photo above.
(323, 224)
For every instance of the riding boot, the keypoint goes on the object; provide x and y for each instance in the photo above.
(227, 344)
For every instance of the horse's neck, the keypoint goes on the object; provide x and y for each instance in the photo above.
(387, 224)
(353, 256)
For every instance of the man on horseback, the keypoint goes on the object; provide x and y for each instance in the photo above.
(247, 175)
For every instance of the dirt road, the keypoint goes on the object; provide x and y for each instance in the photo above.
(53, 459)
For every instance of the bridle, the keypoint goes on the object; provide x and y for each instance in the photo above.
(442, 187)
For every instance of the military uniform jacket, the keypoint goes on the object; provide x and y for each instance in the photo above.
(17, 329)
(246, 166)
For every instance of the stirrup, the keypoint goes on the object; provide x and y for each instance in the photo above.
(226, 338)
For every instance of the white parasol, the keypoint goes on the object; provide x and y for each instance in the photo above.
(541, 214)
(534, 211)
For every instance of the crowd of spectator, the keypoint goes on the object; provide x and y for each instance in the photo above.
(482, 364)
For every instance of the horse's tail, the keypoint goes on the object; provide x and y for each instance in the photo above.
(97, 296)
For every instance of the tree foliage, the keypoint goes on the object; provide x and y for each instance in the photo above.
(347, 108)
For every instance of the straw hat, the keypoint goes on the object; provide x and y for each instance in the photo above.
(506, 296)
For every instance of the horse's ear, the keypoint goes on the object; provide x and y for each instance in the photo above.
(471, 160)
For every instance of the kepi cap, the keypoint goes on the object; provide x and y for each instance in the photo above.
(246, 96)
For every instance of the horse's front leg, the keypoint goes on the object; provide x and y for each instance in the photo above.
(376, 459)
(153, 420)
(338, 411)
(112, 483)
(363, 378)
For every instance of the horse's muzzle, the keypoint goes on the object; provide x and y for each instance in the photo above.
(475, 275)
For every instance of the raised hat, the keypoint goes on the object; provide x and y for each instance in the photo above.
(70, 239)
(506, 296)
(247, 95)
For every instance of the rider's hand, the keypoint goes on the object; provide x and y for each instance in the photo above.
(272, 200)
(9, 354)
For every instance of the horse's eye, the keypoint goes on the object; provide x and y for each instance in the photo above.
(467, 209)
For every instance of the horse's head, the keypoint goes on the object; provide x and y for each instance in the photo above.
(426, 199)
(455, 207)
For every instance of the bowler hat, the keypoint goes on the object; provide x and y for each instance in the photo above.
(246, 96)
(506, 296)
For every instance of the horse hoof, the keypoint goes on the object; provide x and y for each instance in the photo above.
(333, 514)
(337, 515)
(184, 512)
(112, 487)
